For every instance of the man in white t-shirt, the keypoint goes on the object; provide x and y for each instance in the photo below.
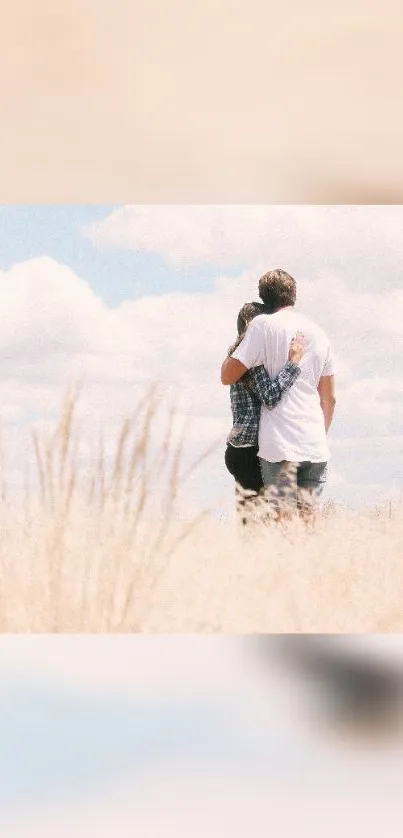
(293, 447)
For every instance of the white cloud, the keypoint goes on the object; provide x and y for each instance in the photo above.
(42, 302)
(363, 244)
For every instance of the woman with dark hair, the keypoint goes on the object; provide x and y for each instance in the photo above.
(247, 396)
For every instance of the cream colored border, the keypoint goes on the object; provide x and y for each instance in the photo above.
(211, 101)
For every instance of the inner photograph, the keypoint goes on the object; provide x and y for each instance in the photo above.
(201, 419)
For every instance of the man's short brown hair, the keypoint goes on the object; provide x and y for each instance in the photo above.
(277, 289)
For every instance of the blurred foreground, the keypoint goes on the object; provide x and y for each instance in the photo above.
(201, 736)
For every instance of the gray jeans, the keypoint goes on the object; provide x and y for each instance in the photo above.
(293, 486)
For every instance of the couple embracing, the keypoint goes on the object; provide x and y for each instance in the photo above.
(282, 387)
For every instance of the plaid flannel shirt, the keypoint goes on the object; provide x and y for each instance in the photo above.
(248, 394)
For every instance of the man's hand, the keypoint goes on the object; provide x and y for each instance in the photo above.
(232, 370)
(326, 390)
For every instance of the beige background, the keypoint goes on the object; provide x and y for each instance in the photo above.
(220, 100)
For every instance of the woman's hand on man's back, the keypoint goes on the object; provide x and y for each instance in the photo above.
(297, 348)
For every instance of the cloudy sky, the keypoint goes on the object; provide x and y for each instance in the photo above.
(127, 294)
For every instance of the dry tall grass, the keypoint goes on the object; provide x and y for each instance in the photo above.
(91, 551)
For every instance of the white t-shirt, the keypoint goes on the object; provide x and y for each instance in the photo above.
(294, 430)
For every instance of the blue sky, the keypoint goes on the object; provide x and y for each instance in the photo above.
(113, 273)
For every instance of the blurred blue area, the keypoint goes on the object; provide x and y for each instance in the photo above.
(55, 744)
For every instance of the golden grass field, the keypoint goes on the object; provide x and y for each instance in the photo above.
(89, 551)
